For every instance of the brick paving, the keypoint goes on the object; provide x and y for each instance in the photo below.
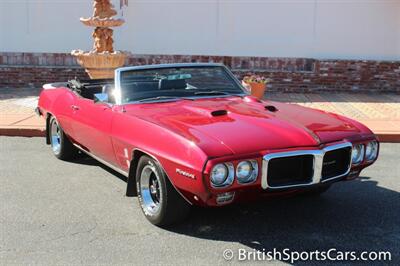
(380, 112)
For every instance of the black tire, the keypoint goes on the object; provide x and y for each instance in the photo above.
(61, 146)
(317, 191)
(169, 206)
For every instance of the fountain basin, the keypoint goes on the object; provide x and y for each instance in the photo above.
(100, 65)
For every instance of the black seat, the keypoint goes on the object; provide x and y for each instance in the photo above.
(88, 92)
(166, 84)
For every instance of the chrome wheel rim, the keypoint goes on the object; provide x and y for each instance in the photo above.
(55, 137)
(150, 190)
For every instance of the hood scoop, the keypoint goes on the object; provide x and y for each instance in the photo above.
(219, 112)
(271, 108)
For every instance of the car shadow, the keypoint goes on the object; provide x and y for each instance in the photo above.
(357, 215)
(87, 160)
(352, 216)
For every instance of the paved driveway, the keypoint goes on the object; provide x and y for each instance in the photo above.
(55, 212)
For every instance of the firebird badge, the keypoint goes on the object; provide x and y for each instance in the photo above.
(181, 172)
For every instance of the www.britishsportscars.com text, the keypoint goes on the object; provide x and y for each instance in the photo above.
(291, 256)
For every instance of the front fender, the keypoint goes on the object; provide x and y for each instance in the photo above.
(182, 161)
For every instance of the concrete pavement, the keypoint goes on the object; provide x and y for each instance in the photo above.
(17, 116)
(54, 212)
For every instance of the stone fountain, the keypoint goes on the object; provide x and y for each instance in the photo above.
(102, 60)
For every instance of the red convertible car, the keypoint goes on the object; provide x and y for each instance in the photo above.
(189, 134)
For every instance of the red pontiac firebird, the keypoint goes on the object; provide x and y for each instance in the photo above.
(189, 134)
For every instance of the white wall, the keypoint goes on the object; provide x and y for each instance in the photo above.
(338, 29)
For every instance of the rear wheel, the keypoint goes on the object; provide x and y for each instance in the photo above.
(160, 202)
(60, 144)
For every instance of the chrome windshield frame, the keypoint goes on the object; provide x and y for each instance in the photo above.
(118, 73)
(318, 155)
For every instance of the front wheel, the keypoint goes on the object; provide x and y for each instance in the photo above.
(160, 202)
(60, 144)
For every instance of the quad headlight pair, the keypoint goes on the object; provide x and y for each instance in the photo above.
(223, 174)
(367, 152)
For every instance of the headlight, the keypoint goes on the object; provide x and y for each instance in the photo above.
(247, 171)
(357, 155)
(244, 170)
(222, 175)
(371, 151)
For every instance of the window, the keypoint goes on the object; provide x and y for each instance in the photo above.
(175, 82)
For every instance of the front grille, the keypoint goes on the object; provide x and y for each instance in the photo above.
(286, 171)
(305, 167)
(336, 163)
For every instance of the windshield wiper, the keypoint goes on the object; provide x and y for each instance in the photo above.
(216, 93)
(211, 93)
(162, 98)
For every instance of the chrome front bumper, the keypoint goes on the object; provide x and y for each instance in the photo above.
(317, 165)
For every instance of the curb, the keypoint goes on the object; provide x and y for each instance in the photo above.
(22, 132)
(388, 137)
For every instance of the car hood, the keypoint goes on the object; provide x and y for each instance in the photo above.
(223, 126)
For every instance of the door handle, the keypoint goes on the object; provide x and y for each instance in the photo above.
(74, 107)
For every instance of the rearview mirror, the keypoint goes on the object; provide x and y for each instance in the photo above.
(101, 97)
(179, 76)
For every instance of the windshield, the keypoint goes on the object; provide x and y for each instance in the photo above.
(177, 82)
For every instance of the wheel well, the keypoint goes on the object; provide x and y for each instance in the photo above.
(48, 128)
(131, 186)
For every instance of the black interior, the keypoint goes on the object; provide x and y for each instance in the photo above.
(88, 88)
(142, 86)
(89, 92)
(165, 84)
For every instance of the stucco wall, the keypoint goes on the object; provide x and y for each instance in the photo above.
(322, 29)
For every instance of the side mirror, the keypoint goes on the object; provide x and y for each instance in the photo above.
(101, 98)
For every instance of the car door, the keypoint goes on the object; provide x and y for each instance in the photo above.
(92, 128)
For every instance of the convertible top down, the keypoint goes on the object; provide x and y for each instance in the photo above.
(189, 134)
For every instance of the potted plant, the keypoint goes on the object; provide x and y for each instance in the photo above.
(256, 84)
